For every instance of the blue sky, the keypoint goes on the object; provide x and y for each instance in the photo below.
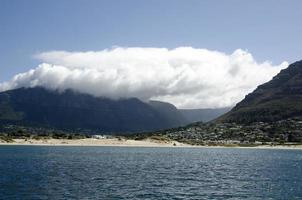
(269, 29)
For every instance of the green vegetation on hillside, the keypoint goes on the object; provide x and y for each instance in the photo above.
(8, 113)
(10, 132)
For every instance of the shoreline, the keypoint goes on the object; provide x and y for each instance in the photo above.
(94, 142)
(90, 142)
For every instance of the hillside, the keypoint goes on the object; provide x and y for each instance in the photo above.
(69, 110)
(174, 117)
(278, 99)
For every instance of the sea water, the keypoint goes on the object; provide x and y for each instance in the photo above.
(40, 172)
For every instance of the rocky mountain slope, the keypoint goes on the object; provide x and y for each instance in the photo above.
(278, 99)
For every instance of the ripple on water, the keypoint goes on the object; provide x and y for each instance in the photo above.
(148, 173)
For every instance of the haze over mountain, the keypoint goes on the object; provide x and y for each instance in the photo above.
(280, 98)
(69, 110)
(204, 115)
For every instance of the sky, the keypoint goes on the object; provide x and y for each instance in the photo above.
(263, 35)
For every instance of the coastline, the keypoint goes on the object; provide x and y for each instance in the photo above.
(95, 142)
(115, 142)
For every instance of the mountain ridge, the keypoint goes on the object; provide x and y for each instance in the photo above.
(76, 111)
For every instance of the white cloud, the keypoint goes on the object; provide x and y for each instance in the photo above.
(186, 77)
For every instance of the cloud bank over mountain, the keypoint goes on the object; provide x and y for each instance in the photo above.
(184, 76)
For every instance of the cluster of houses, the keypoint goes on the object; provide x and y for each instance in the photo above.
(283, 131)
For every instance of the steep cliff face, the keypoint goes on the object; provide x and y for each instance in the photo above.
(70, 110)
(280, 98)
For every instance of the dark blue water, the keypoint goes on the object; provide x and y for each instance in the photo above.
(149, 173)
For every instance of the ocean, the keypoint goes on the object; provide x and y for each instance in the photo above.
(41, 172)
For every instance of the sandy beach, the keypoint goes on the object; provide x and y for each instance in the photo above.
(96, 142)
(130, 143)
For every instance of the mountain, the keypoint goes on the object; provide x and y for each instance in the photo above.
(69, 110)
(204, 115)
(278, 99)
